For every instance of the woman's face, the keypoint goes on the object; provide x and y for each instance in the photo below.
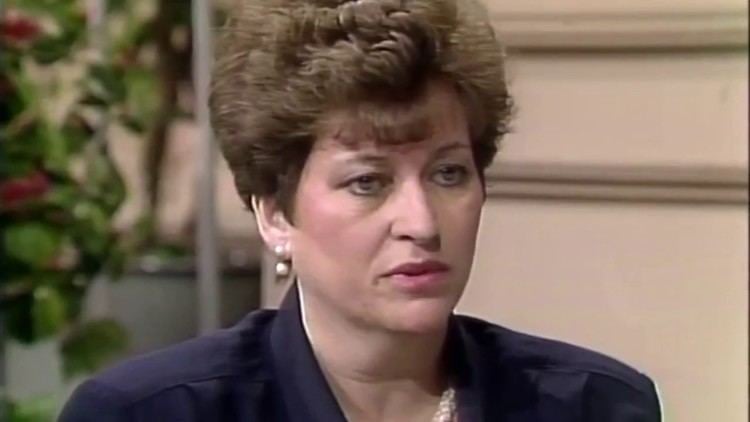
(384, 235)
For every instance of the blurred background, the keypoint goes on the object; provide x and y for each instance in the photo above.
(617, 215)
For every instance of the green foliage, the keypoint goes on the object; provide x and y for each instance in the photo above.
(40, 409)
(61, 89)
(32, 242)
(59, 188)
(47, 311)
(91, 345)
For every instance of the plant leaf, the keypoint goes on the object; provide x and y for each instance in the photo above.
(107, 82)
(48, 312)
(33, 243)
(91, 345)
(37, 409)
(35, 316)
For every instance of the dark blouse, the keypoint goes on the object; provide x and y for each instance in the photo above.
(263, 370)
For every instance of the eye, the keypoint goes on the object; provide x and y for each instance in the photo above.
(366, 185)
(450, 175)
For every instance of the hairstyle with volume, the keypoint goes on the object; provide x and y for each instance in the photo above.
(281, 65)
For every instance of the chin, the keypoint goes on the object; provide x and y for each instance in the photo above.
(420, 316)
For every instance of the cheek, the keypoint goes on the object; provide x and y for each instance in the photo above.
(462, 215)
(331, 237)
(460, 228)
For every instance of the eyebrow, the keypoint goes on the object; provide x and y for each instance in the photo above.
(367, 157)
(380, 158)
(449, 147)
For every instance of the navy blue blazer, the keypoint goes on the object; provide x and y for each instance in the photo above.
(263, 370)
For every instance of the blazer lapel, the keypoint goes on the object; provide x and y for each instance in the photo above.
(306, 395)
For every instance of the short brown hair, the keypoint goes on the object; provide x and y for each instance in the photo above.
(281, 64)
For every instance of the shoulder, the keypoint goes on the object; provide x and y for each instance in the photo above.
(220, 355)
(602, 384)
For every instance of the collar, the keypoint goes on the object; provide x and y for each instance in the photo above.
(307, 396)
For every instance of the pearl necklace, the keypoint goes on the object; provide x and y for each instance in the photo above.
(447, 409)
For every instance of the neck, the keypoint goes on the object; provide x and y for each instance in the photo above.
(372, 371)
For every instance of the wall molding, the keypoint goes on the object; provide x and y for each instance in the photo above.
(645, 184)
(620, 30)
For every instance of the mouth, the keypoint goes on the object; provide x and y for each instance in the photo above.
(419, 277)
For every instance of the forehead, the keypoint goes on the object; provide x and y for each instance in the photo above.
(435, 114)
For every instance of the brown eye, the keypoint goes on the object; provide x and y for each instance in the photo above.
(450, 175)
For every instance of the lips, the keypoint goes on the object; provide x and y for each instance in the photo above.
(419, 268)
(419, 278)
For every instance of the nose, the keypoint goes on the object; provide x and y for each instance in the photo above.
(414, 217)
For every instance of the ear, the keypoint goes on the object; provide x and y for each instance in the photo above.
(273, 226)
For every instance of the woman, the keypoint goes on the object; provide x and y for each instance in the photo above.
(359, 132)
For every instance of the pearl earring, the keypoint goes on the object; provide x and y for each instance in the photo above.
(283, 266)
(282, 269)
(279, 250)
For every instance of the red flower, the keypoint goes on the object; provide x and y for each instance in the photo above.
(16, 191)
(18, 29)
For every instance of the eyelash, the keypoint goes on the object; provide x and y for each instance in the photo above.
(462, 172)
(354, 183)
(351, 185)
